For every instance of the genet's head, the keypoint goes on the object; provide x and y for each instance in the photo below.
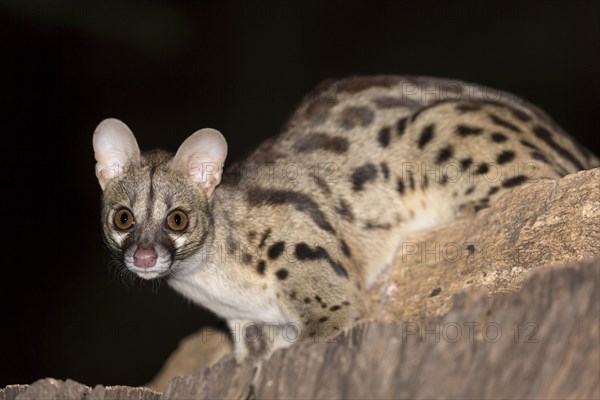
(156, 209)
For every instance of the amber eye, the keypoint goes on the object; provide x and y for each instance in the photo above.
(124, 219)
(177, 221)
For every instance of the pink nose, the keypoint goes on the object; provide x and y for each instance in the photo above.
(144, 258)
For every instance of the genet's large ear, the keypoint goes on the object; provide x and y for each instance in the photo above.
(201, 157)
(114, 146)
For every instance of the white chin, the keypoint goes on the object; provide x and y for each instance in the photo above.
(148, 274)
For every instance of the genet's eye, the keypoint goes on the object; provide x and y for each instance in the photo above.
(124, 220)
(177, 221)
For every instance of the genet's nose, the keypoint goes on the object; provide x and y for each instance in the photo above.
(144, 257)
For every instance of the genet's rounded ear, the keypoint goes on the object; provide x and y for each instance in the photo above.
(114, 146)
(201, 157)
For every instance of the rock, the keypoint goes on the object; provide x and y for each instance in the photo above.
(12, 391)
(224, 380)
(54, 389)
(199, 350)
(540, 224)
(122, 392)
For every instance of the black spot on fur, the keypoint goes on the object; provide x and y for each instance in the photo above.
(282, 274)
(385, 171)
(338, 268)
(320, 183)
(261, 267)
(372, 226)
(520, 115)
(362, 175)
(435, 292)
(505, 157)
(425, 108)
(464, 130)
(482, 169)
(293, 295)
(411, 181)
(323, 319)
(246, 258)
(466, 163)
(469, 190)
(546, 136)
(530, 145)
(516, 181)
(345, 211)
(493, 190)
(318, 111)
(400, 186)
(300, 201)
(345, 248)
(424, 182)
(345, 303)
(401, 126)
(536, 155)
(384, 136)
(481, 206)
(351, 117)
(471, 249)
(322, 141)
(393, 102)
(306, 300)
(426, 136)
(499, 137)
(335, 308)
(275, 250)
(504, 123)
(467, 107)
(304, 253)
(264, 237)
(321, 302)
(444, 154)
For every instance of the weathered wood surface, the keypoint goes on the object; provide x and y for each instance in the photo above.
(536, 225)
(555, 355)
(560, 360)
(54, 389)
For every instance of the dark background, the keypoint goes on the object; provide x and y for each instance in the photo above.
(168, 68)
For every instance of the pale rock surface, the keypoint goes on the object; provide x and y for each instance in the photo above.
(532, 226)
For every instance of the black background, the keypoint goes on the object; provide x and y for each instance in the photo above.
(169, 68)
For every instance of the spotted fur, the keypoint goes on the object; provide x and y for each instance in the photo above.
(373, 159)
